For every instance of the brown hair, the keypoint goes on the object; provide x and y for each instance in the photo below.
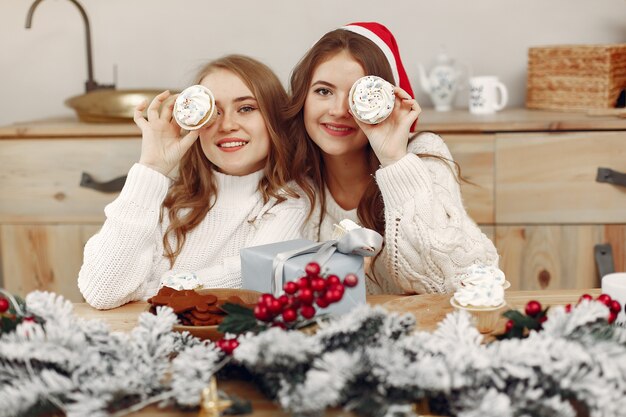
(194, 191)
(307, 159)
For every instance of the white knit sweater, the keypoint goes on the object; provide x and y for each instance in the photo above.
(125, 260)
(430, 240)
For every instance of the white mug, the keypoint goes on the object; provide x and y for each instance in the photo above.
(483, 95)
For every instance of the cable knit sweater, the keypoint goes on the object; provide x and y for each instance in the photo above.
(430, 240)
(125, 260)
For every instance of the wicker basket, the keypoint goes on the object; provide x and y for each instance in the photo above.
(575, 77)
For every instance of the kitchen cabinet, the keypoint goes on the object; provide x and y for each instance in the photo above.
(46, 216)
(535, 192)
(531, 186)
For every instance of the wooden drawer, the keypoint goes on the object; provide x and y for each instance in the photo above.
(43, 257)
(535, 257)
(475, 156)
(40, 177)
(551, 178)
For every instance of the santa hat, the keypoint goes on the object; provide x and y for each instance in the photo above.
(384, 39)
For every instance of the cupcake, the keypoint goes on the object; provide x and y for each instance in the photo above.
(481, 293)
(371, 99)
(181, 281)
(194, 107)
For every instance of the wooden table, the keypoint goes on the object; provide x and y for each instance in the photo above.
(429, 310)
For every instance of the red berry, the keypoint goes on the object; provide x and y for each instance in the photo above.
(279, 324)
(612, 317)
(605, 299)
(333, 295)
(533, 308)
(568, 308)
(509, 325)
(312, 269)
(615, 306)
(232, 344)
(283, 300)
(332, 280)
(307, 311)
(266, 299)
(275, 306)
(4, 305)
(261, 312)
(321, 301)
(306, 296)
(289, 315)
(29, 319)
(304, 283)
(585, 297)
(318, 284)
(290, 287)
(543, 319)
(351, 280)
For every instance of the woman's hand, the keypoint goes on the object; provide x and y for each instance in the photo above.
(389, 138)
(161, 144)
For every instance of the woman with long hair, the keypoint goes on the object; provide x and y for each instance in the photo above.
(372, 174)
(230, 192)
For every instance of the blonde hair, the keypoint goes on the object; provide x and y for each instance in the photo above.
(186, 201)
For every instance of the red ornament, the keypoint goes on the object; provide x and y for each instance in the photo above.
(312, 269)
(289, 315)
(351, 280)
(509, 325)
(568, 308)
(585, 297)
(615, 307)
(290, 287)
(307, 311)
(4, 305)
(533, 308)
(543, 319)
(605, 299)
(612, 317)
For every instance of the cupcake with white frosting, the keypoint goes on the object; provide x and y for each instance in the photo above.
(481, 293)
(371, 99)
(194, 107)
(181, 281)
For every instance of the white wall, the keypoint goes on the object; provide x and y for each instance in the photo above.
(161, 43)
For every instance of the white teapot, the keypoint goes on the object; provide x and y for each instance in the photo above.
(442, 82)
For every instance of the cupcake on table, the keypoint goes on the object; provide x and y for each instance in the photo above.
(480, 292)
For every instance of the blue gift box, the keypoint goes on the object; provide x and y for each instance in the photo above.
(258, 262)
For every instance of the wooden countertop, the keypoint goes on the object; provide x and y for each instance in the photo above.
(455, 121)
(428, 309)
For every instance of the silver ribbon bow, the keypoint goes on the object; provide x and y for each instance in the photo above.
(362, 241)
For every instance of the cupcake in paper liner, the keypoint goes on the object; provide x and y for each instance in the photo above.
(483, 301)
(194, 107)
(371, 99)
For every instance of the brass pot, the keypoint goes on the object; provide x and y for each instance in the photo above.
(108, 105)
